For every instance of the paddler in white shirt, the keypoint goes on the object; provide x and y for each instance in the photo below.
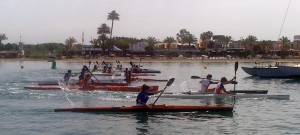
(205, 84)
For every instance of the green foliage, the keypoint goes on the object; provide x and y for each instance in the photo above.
(42, 50)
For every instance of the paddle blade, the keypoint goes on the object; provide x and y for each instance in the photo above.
(236, 66)
(169, 83)
(195, 77)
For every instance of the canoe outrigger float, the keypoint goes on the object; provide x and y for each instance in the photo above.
(207, 96)
(155, 108)
(232, 91)
(92, 88)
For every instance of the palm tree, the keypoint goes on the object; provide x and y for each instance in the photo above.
(205, 38)
(284, 40)
(113, 15)
(190, 38)
(70, 42)
(182, 35)
(95, 44)
(2, 37)
(102, 31)
(250, 41)
(169, 41)
(265, 45)
(151, 41)
(227, 39)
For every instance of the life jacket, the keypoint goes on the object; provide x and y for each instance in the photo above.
(219, 88)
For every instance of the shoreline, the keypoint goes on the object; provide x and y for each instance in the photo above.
(157, 60)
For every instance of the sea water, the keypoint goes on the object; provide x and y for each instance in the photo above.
(31, 112)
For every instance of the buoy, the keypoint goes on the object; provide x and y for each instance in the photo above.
(53, 64)
(22, 67)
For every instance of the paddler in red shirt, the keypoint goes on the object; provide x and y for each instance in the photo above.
(220, 86)
(87, 82)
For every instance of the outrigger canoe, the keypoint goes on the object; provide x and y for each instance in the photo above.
(146, 71)
(233, 91)
(155, 108)
(114, 82)
(92, 88)
(207, 96)
(141, 74)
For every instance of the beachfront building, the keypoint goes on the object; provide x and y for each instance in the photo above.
(297, 38)
(138, 48)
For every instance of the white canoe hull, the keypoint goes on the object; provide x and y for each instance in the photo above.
(206, 96)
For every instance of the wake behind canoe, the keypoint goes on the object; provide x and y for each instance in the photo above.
(156, 108)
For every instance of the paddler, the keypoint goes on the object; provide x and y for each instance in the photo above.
(104, 69)
(95, 68)
(143, 96)
(205, 84)
(87, 81)
(220, 86)
(68, 75)
(127, 75)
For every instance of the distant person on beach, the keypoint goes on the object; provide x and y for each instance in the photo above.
(143, 96)
(205, 84)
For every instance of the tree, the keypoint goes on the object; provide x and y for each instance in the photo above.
(169, 41)
(190, 38)
(70, 42)
(284, 40)
(151, 41)
(113, 15)
(2, 37)
(227, 39)
(102, 31)
(181, 36)
(265, 45)
(250, 40)
(205, 38)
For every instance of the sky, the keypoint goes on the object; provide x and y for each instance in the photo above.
(49, 21)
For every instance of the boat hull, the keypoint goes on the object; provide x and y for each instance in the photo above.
(146, 71)
(92, 88)
(233, 91)
(265, 72)
(155, 108)
(207, 96)
(290, 70)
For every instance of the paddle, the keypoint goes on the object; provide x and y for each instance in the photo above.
(169, 83)
(131, 64)
(236, 66)
(197, 77)
(92, 74)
